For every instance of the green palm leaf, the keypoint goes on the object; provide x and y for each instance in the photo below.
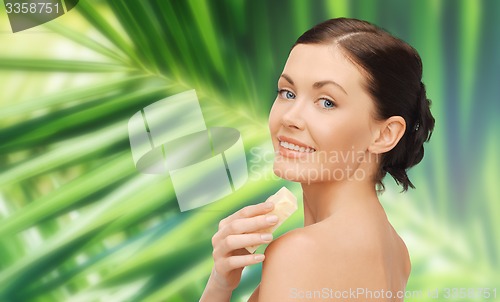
(79, 223)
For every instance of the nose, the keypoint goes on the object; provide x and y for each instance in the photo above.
(294, 116)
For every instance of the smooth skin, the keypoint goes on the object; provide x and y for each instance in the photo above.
(347, 241)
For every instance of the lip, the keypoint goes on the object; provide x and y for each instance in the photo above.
(291, 153)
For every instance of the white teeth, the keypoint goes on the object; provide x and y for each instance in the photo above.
(293, 147)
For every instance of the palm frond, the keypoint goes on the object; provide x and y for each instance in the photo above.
(79, 223)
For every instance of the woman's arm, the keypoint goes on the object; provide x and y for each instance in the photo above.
(213, 292)
(236, 232)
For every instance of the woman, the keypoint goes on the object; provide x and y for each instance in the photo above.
(350, 108)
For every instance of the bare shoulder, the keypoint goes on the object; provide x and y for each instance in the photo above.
(326, 255)
(287, 265)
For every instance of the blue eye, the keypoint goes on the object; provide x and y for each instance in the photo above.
(327, 104)
(286, 94)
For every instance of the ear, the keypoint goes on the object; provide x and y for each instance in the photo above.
(387, 135)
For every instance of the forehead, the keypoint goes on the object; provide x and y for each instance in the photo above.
(317, 62)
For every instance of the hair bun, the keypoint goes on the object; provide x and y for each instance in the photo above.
(423, 126)
(412, 141)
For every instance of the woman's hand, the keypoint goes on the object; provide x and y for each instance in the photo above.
(236, 232)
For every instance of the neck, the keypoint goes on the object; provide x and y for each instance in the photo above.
(322, 200)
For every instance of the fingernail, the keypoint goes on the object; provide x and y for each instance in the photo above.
(266, 237)
(272, 219)
(259, 257)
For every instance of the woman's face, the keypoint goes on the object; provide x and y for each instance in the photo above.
(322, 117)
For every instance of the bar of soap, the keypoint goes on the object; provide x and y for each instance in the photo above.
(285, 204)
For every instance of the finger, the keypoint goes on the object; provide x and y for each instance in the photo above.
(249, 211)
(248, 225)
(235, 262)
(234, 242)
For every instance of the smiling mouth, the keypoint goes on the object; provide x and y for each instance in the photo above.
(296, 148)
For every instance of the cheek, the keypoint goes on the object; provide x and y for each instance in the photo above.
(344, 136)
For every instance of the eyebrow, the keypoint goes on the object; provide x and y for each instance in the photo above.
(317, 84)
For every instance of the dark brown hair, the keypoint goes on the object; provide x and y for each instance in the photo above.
(393, 71)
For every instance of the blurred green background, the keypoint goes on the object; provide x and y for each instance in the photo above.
(79, 223)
